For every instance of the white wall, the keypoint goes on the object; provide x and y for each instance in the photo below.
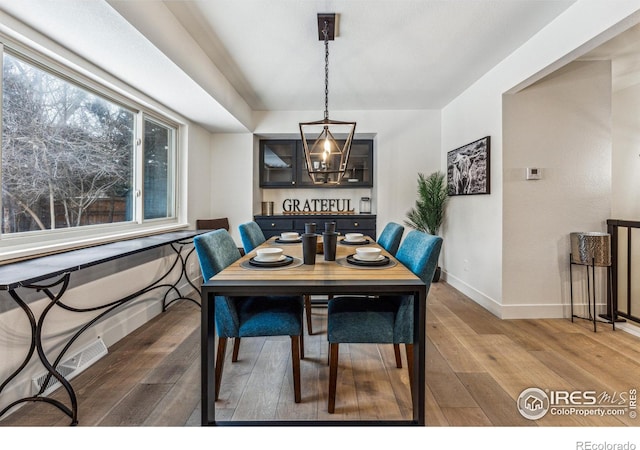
(231, 177)
(473, 235)
(626, 154)
(196, 169)
(561, 125)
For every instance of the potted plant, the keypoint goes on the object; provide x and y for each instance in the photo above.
(428, 213)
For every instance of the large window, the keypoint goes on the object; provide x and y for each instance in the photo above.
(69, 155)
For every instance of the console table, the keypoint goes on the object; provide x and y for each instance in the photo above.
(345, 223)
(51, 275)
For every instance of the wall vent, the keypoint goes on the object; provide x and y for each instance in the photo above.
(71, 367)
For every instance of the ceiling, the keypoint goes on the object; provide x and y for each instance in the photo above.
(217, 61)
(624, 53)
(388, 54)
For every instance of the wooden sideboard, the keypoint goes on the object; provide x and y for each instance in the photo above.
(345, 223)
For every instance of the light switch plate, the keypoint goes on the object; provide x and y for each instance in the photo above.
(534, 173)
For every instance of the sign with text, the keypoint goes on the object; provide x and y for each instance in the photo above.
(317, 205)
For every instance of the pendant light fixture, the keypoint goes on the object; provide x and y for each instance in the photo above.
(326, 143)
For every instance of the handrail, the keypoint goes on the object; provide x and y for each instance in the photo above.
(619, 259)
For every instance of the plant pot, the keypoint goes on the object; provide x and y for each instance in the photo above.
(436, 275)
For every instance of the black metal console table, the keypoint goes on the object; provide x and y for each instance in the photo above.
(51, 275)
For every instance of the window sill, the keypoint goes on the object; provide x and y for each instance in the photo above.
(14, 253)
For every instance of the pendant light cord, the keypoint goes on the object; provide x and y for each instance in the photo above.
(325, 31)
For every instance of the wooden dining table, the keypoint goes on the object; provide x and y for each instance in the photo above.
(322, 278)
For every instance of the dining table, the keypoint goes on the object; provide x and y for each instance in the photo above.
(332, 278)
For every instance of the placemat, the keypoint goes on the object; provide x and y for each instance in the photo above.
(343, 262)
(295, 263)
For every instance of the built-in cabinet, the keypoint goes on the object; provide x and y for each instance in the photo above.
(345, 223)
(282, 164)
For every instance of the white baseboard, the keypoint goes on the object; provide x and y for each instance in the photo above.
(483, 300)
(122, 325)
(629, 327)
(525, 311)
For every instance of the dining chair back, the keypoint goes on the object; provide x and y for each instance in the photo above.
(384, 319)
(390, 237)
(251, 235)
(212, 224)
(239, 317)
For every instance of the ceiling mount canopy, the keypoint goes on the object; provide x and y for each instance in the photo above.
(326, 142)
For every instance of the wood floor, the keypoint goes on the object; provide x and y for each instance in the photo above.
(477, 366)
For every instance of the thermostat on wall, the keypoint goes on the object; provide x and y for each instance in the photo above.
(533, 173)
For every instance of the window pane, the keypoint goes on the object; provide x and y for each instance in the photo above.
(67, 154)
(158, 170)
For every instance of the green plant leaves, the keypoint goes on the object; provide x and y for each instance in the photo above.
(429, 211)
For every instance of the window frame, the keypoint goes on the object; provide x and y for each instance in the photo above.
(21, 245)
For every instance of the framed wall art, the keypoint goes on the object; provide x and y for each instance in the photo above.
(468, 168)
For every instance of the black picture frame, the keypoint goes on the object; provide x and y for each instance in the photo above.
(469, 169)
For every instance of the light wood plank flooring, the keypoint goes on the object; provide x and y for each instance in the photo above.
(477, 365)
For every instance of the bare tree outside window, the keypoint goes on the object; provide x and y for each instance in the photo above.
(67, 153)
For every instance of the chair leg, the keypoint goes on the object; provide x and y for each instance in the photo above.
(295, 358)
(396, 351)
(302, 345)
(222, 349)
(307, 308)
(409, 351)
(236, 349)
(333, 376)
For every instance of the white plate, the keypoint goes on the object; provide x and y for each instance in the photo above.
(354, 241)
(259, 259)
(289, 240)
(379, 258)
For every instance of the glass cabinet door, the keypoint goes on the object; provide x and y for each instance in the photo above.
(278, 160)
(359, 168)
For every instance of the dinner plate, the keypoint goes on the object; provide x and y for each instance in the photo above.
(360, 242)
(288, 241)
(383, 261)
(257, 258)
(283, 261)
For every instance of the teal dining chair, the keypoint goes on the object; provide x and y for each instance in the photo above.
(390, 237)
(384, 319)
(241, 317)
(251, 235)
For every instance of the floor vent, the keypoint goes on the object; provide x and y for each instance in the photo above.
(71, 367)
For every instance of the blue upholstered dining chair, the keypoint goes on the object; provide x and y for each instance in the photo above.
(240, 317)
(390, 237)
(251, 235)
(384, 319)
